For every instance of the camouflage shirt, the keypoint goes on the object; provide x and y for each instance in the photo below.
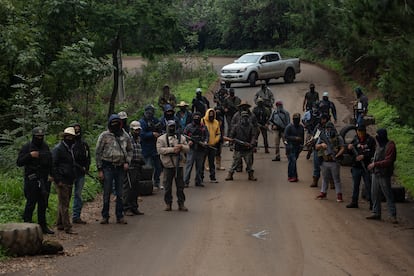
(116, 150)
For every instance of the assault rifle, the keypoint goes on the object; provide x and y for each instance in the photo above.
(238, 142)
(329, 150)
(196, 141)
(361, 161)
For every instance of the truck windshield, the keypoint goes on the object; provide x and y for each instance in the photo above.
(248, 59)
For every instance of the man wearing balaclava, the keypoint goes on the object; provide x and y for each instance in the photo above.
(200, 103)
(113, 157)
(64, 174)
(311, 98)
(231, 105)
(243, 135)
(360, 106)
(330, 147)
(213, 128)
(262, 114)
(151, 130)
(82, 157)
(279, 120)
(327, 107)
(172, 148)
(382, 169)
(36, 159)
(169, 115)
(294, 135)
(198, 135)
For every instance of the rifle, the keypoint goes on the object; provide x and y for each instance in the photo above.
(237, 141)
(88, 173)
(268, 129)
(329, 151)
(361, 161)
(204, 145)
(311, 142)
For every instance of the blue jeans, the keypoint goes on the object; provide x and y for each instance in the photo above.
(380, 182)
(357, 175)
(113, 176)
(77, 198)
(155, 163)
(198, 158)
(292, 153)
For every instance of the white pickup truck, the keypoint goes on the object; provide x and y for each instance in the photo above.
(255, 66)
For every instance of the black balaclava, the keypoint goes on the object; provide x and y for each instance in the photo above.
(115, 126)
(78, 131)
(171, 130)
(197, 118)
(296, 119)
(69, 140)
(149, 112)
(37, 140)
(325, 98)
(244, 107)
(312, 88)
(211, 116)
(358, 92)
(245, 119)
(169, 115)
(382, 137)
(198, 95)
(136, 133)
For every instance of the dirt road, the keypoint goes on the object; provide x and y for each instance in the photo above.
(268, 227)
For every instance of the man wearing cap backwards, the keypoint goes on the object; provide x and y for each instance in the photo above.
(82, 157)
(311, 98)
(64, 174)
(172, 148)
(245, 132)
(362, 149)
(167, 98)
(330, 147)
(266, 94)
(279, 120)
(382, 168)
(199, 137)
(200, 103)
(36, 159)
(294, 135)
(327, 107)
(113, 156)
(231, 106)
(131, 181)
(183, 116)
(262, 114)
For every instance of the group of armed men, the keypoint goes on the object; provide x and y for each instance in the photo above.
(179, 139)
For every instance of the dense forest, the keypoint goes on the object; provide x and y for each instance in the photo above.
(52, 50)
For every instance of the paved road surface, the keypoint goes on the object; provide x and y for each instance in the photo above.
(268, 227)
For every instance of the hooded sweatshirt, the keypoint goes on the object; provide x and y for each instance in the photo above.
(213, 128)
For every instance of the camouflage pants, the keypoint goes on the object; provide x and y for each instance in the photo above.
(237, 159)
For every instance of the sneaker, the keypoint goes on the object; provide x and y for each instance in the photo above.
(321, 196)
(293, 179)
(213, 181)
(277, 158)
(182, 208)
(78, 221)
(352, 205)
(339, 197)
(121, 221)
(128, 213)
(374, 217)
(137, 212)
(104, 221)
(200, 185)
(162, 187)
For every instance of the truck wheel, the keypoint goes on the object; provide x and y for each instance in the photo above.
(289, 75)
(348, 132)
(252, 79)
(21, 239)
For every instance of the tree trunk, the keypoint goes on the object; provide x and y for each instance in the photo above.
(116, 45)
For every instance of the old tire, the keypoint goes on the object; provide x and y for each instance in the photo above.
(348, 132)
(20, 239)
(252, 79)
(146, 187)
(147, 173)
(289, 76)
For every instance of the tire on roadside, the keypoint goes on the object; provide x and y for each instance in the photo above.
(146, 187)
(20, 239)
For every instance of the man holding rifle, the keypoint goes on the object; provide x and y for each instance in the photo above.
(362, 148)
(243, 135)
(171, 148)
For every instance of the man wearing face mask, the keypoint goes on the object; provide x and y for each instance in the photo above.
(294, 135)
(382, 168)
(243, 134)
(267, 95)
(262, 114)
(113, 157)
(231, 105)
(330, 147)
(362, 149)
(131, 181)
(199, 138)
(169, 115)
(213, 128)
(64, 174)
(183, 116)
(311, 98)
(279, 120)
(151, 130)
(327, 107)
(36, 159)
(82, 157)
(172, 148)
(200, 103)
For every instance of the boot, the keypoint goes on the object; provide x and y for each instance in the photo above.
(229, 176)
(314, 182)
(168, 207)
(218, 164)
(182, 208)
(251, 176)
(46, 230)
